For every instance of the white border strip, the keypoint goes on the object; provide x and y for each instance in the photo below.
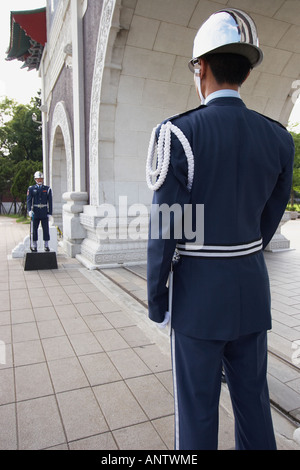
(176, 430)
(203, 254)
(192, 247)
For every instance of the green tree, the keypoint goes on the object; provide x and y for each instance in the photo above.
(6, 174)
(20, 135)
(21, 151)
(296, 171)
(7, 106)
(22, 179)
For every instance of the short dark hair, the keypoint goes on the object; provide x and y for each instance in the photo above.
(228, 68)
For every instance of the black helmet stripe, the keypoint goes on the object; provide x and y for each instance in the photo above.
(238, 29)
(242, 20)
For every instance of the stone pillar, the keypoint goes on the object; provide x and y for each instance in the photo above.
(78, 97)
(73, 231)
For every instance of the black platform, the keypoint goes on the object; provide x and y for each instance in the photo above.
(34, 261)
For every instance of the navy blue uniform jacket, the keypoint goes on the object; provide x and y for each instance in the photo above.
(39, 195)
(243, 175)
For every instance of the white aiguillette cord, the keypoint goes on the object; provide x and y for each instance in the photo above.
(163, 147)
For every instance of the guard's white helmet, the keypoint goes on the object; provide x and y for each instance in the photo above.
(228, 30)
(38, 174)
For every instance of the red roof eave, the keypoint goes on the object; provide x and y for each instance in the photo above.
(33, 23)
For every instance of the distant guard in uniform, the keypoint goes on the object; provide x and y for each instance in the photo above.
(39, 207)
(237, 164)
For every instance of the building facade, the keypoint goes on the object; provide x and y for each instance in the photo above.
(112, 70)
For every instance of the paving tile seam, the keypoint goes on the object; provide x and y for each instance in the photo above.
(134, 309)
(148, 420)
(49, 360)
(89, 383)
(115, 429)
(69, 442)
(284, 361)
(276, 311)
(74, 356)
(151, 373)
(17, 437)
(59, 407)
(91, 387)
(283, 274)
(119, 284)
(285, 335)
(147, 375)
(287, 415)
(61, 392)
(111, 433)
(275, 405)
(79, 316)
(72, 441)
(145, 305)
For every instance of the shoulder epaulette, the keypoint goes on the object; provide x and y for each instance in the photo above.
(185, 113)
(272, 120)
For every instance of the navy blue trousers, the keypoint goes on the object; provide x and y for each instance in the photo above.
(45, 227)
(197, 366)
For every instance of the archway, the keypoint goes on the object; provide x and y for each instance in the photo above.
(141, 77)
(66, 204)
(58, 176)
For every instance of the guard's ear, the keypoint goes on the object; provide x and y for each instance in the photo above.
(203, 64)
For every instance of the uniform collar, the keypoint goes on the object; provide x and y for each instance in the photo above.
(222, 94)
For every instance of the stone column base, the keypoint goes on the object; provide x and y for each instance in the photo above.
(119, 248)
(73, 231)
(94, 255)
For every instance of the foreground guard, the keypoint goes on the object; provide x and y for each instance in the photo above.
(238, 164)
(39, 207)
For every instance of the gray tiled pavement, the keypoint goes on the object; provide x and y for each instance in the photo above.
(85, 369)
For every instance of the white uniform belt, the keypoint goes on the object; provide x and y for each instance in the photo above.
(40, 206)
(219, 251)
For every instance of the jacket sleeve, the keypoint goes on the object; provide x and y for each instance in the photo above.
(163, 236)
(49, 201)
(29, 199)
(275, 206)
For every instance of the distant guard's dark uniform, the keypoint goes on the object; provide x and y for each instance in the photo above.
(39, 201)
(243, 165)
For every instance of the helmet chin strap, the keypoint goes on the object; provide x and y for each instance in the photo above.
(198, 85)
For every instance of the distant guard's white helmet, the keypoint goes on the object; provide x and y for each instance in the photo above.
(38, 174)
(231, 31)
